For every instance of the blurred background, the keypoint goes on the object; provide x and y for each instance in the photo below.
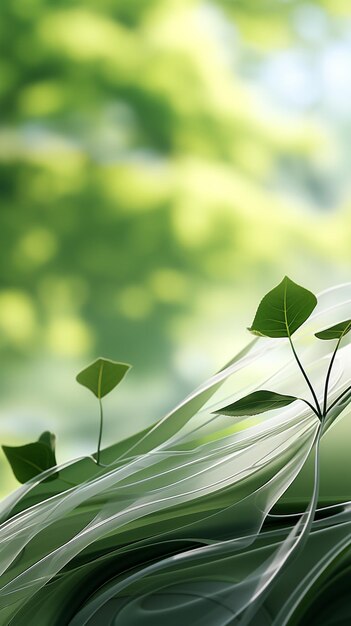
(163, 164)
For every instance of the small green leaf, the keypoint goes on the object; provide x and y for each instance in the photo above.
(335, 332)
(102, 376)
(33, 458)
(256, 402)
(283, 310)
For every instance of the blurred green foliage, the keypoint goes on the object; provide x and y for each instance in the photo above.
(143, 207)
(135, 167)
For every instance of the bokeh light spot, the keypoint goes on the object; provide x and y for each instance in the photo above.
(17, 317)
(69, 337)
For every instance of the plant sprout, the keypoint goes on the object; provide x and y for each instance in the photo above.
(101, 377)
(281, 312)
(34, 458)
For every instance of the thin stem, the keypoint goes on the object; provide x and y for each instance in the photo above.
(325, 400)
(310, 405)
(338, 399)
(101, 413)
(318, 410)
(100, 432)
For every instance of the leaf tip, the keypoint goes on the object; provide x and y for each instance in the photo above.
(255, 332)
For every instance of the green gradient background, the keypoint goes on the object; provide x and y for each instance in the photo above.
(163, 163)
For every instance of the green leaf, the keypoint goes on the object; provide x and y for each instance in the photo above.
(335, 332)
(102, 376)
(33, 458)
(256, 402)
(283, 310)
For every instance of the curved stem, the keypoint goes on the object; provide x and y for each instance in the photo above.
(100, 432)
(310, 405)
(325, 399)
(318, 410)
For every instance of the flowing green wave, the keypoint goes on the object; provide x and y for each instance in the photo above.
(178, 526)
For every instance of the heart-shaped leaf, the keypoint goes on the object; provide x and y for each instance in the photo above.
(102, 376)
(335, 332)
(283, 310)
(256, 402)
(33, 458)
